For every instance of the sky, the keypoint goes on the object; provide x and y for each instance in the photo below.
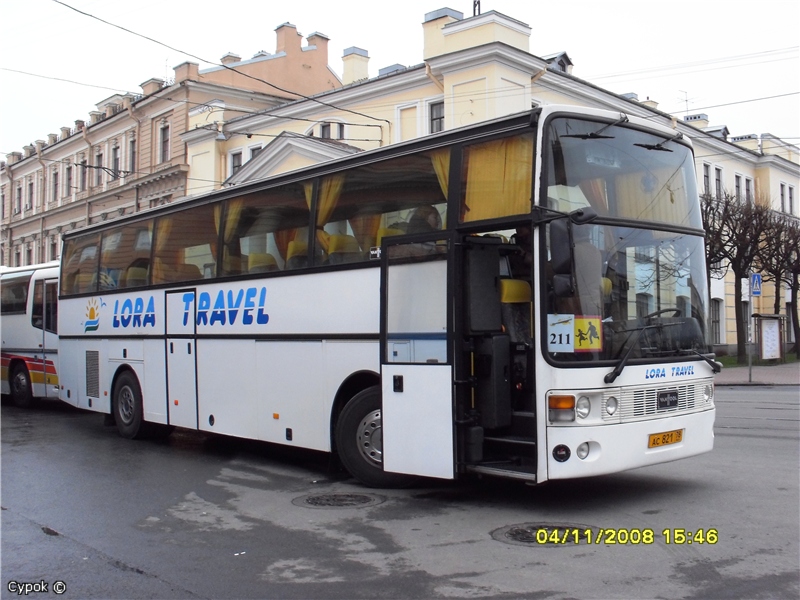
(738, 62)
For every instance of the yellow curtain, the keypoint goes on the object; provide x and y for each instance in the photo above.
(231, 256)
(163, 231)
(498, 179)
(330, 190)
(595, 192)
(365, 228)
(657, 195)
(282, 239)
(441, 164)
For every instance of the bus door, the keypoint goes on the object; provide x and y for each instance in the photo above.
(181, 349)
(50, 335)
(416, 351)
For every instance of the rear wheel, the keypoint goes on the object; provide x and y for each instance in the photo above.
(21, 391)
(359, 440)
(128, 411)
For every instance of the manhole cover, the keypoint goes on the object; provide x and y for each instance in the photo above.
(338, 500)
(546, 534)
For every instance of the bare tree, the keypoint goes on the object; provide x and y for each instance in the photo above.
(793, 254)
(711, 211)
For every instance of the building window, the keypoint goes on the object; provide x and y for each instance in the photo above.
(255, 152)
(132, 156)
(437, 117)
(716, 312)
(29, 203)
(115, 163)
(2, 211)
(339, 131)
(718, 183)
(707, 179)
(164, 142)
(18, 201)
(98, 163)
(783, 197)
(236, 162)
(55, 187)
(53, 249)
(17, 258)
(68, 182)
(738, 185)
(84, 174)
(325, 131)
(29, 255)
(748, 190)
(791, 200)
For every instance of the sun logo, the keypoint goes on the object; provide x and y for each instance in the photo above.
(92, 316)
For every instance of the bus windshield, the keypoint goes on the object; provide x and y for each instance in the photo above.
(627, 287)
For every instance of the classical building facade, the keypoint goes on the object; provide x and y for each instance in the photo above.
(129, 155)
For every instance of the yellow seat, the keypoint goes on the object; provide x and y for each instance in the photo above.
(514, 291)
(343, 249)
(259, 262)
(515, 306)
(296, 255)
(134, 276)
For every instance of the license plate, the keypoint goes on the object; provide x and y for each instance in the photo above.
(667, 399)
(665, 439)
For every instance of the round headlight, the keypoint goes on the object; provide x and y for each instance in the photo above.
(708, 393)
(583, 407)
(583, 450)
(611, 405)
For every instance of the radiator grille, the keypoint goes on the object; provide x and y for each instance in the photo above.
(93, 373)
(642, 402)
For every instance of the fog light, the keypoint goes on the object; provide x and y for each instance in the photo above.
(583, 407)
(583, 450)
(708, 393)
(611, 405)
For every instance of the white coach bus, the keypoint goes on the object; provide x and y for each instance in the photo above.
(379, 307)
(29, 309)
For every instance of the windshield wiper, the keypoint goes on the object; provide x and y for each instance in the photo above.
(660, 145)
(611, 377)
(596, 135)
(715, 366)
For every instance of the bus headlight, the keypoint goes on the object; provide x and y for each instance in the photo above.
(708, 393)
(611, 405)
(583, 408)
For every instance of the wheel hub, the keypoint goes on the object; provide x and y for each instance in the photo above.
(126, 404)
(369, 438)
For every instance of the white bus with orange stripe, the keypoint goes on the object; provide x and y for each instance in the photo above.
(30, 333)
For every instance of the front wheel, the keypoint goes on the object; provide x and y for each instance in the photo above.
(21, 391)
(128, 410)
(359, 440)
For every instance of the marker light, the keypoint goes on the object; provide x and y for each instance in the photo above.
(583, 407)
(583, 450)
(562, 408)
(611, 405)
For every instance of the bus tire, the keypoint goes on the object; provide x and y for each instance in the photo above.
(21, 391)
(359, 441)
(127, 407)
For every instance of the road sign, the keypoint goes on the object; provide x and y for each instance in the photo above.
(755, 284)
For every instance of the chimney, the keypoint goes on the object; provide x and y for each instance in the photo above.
(65, 132)
(356, 61)
(320, 42)
(151, 86)
(79, 125)
(288, 39)
(700, 120)
(187, 71)
(95, 116)
(52, 138)
(111, 109)
(650, 103)
(230, 58)
(631, 96)
(432, 30)
(40, 145)
(29, 150)
(14, 157)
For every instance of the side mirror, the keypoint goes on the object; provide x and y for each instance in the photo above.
(582, 216)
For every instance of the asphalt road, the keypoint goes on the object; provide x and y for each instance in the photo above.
(196, 516)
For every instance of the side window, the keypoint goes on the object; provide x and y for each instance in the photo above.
(14, 291)
(496, 178)
(125, 256)
(44, 312)
(186, 245)
(266, 231)
(79, 265)
(357, 209)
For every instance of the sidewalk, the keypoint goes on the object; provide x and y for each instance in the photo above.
(781, 374)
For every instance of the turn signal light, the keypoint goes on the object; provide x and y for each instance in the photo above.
(561, 402)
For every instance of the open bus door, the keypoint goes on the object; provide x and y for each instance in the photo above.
(417, 356)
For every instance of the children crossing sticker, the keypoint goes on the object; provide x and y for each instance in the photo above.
(571, 333)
